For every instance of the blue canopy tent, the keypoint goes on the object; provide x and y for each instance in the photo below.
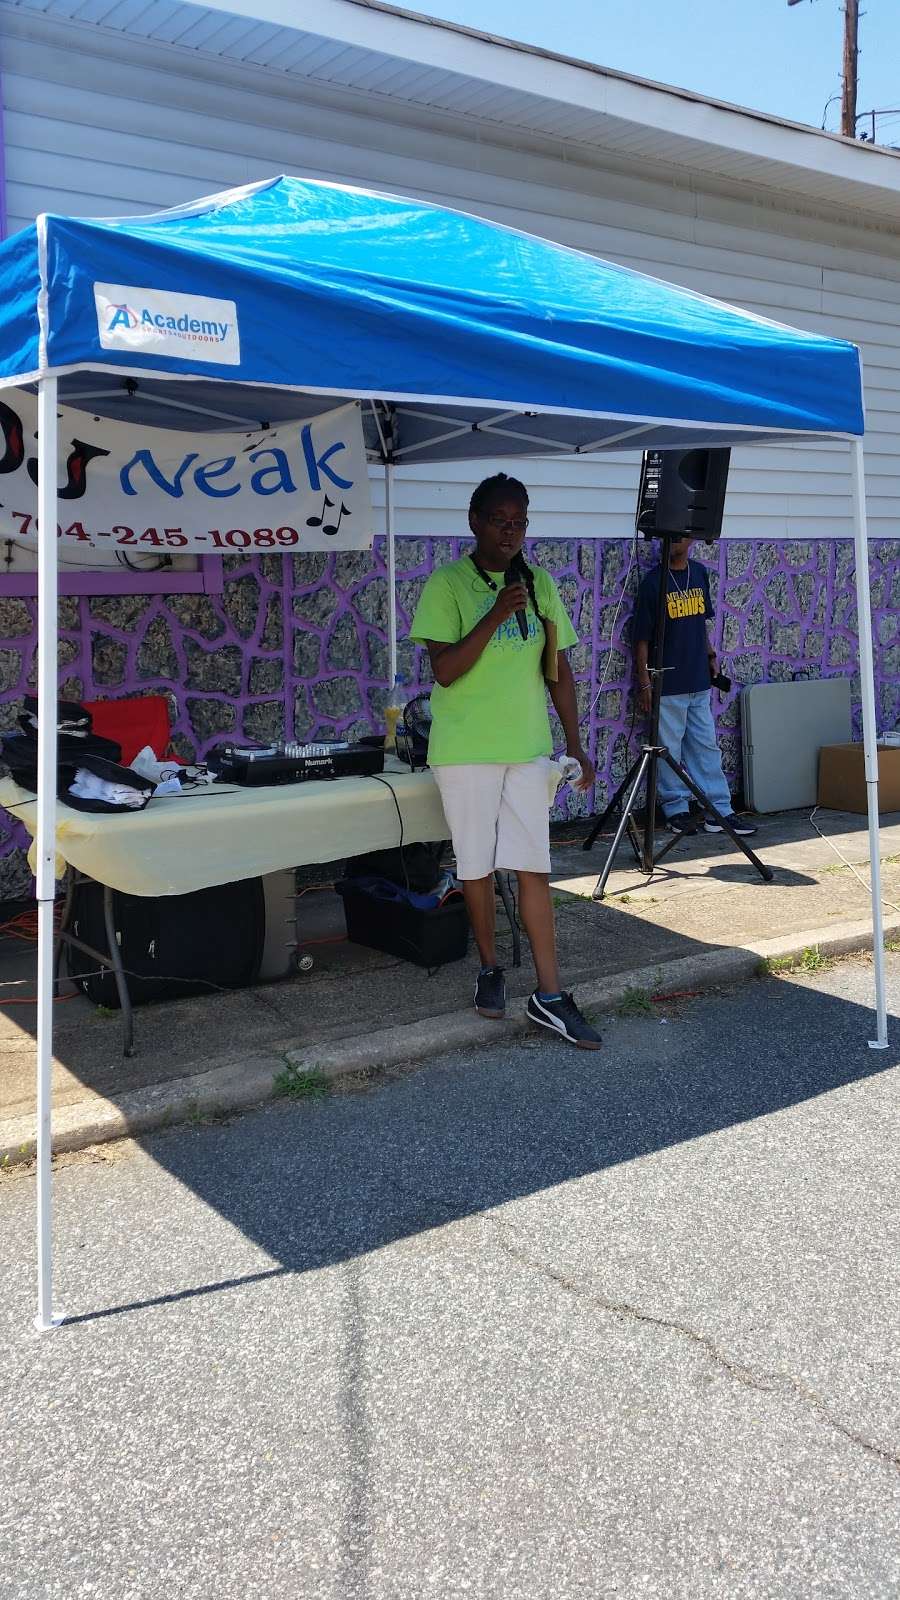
(459, 338)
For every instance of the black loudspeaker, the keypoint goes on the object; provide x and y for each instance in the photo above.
(682, 493)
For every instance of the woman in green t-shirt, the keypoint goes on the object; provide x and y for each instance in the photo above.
(496, 646)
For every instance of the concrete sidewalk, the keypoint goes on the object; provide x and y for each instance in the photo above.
(704, 918)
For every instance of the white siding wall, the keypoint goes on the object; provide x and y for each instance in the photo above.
(97, 126)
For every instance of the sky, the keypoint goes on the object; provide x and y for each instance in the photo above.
(758, 53)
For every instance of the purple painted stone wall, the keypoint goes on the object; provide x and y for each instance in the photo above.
(296, 646)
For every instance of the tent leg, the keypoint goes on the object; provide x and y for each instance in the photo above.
(391, 571)
(46, 835)
(867, 695)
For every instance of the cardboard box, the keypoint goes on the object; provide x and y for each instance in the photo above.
(842, 777)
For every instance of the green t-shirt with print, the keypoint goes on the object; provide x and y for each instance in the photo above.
(497, 711)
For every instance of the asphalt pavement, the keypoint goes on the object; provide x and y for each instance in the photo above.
(527, 1324)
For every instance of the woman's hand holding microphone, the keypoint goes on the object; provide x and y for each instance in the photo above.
(509, 600)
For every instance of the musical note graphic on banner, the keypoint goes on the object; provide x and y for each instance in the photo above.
(316, 522)
(332, 527)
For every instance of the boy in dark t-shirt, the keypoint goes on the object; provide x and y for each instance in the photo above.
(686, 726)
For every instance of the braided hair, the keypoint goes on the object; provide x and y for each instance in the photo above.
(502, 487)
(499, 487)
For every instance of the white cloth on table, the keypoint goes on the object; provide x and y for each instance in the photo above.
(87, 786)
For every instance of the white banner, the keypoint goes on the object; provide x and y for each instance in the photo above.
(299, 486)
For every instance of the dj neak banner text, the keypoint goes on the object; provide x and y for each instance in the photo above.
(298, 486)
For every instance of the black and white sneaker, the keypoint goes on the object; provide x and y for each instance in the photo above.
(490, 994)
(562, 1016)
(738, 825)
(682, 822)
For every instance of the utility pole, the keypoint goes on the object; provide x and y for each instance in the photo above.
(848, 76)
(848, 73)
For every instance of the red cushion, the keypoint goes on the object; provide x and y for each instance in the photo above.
(133, 722)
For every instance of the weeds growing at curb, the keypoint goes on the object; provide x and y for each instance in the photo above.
(769, 965)
(809, 960)
(812, 960)
(300, 1083)
(568, 902)
(635, 1003)
(13, 1163)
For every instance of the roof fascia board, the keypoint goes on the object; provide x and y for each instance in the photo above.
(679, 113)
(562, 181)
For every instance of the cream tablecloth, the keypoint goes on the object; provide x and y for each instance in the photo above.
(220, 834)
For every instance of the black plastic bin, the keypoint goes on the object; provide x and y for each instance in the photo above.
(427, 938)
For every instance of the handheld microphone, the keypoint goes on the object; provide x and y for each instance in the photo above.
(515, 573)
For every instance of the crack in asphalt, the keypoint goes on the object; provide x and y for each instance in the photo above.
(760, 1381)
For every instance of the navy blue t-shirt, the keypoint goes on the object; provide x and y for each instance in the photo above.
(686, 660)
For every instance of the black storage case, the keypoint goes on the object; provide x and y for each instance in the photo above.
(426, 938)
(178, 944)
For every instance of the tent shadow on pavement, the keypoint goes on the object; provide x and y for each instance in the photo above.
(323, 1183)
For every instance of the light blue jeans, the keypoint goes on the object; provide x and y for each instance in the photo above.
(687, 730)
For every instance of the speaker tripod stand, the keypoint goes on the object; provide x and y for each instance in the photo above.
(647, 766)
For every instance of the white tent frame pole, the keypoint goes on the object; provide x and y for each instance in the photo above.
(391, 571)
(870, 745)
(151, 397)
(45, 838)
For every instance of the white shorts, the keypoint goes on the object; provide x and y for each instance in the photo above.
(499, 815)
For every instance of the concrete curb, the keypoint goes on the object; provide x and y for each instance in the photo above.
(241, 1082)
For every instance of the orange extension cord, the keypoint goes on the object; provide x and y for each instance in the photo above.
(24, 927)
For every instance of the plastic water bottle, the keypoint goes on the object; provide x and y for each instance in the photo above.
(393, 710)
(569, 769)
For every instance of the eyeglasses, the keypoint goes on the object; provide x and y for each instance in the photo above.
(500, 524)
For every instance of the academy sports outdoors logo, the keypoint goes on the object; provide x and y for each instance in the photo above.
(122, 317)
(186, 327)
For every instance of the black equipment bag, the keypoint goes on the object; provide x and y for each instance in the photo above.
(109, 772)
(71, 717)
(76, 746)
(411, 866)
(19, 752)
(171, 945)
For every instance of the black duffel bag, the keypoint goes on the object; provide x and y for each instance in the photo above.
(95, 755)
(177, 944)
(20, 753)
